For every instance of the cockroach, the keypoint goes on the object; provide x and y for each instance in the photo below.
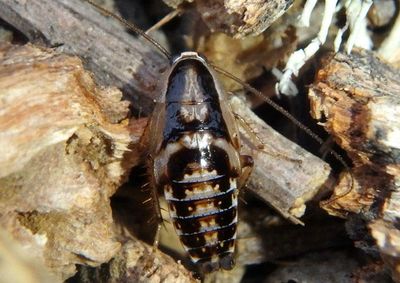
(194, 155)
(196, 160)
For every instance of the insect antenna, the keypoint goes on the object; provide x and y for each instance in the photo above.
(132, 27)
(246, 86)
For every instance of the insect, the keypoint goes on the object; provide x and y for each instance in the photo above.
(196, 160)
(194, 156)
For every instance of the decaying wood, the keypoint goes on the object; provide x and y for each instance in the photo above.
(387, 237)
(359, 97)
(288, 241)
(114, 56)
(238, 18)
(61, 158)
(18, 266)
(137, 262)
(328, 266)
(287, 188)
(249, 57)
(65, 148)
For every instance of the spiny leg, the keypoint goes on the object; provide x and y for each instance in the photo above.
(157, 217)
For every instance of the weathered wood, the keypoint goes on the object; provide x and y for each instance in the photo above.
(238, 18)
(137, 262)
(387, 237)
(284, 175)
(112, 54)
(390, 47)
(65, 147)
(18, 266)
(359, 97)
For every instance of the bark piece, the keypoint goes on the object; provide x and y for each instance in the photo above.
(112, 54)
(387, 238)
(249, 57)
(358, 96)
(390, 47)
(239, 18)
(62, 155)
(18, 266)
(284, 175)
(329, 266)
(137, 262)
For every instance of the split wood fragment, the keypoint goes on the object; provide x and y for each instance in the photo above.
(358, 95)
(238, 18)
(114, 56)
(137, 262)
(284, 175)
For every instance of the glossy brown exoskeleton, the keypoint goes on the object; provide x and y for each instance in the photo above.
(196, 161)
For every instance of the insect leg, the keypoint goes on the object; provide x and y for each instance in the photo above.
(246, 163)
(165, 20)
(156, 205)
(158, 217)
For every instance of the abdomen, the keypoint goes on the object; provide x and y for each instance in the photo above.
(201, 192)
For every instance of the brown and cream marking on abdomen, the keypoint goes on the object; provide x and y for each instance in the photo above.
(202, 200)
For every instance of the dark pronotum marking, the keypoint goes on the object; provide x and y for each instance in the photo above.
(191, 83)
(176, 123)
